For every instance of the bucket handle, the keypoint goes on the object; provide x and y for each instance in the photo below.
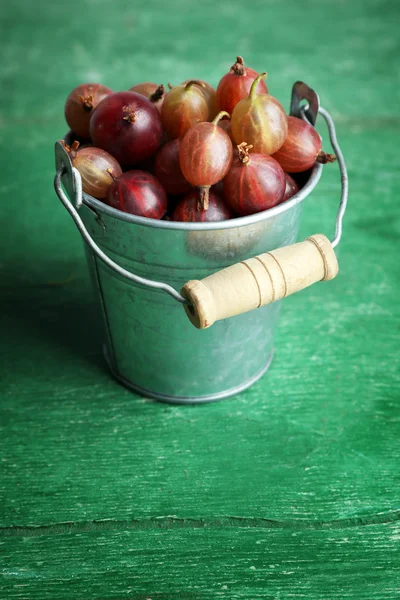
(274, 275)
(77, 187)
(251, 283)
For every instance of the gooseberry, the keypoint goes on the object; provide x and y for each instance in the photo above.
(291, 187)
(205, 156)
(183, 107)
(235, 85)
(138, 193)
(254, 183)
(188, 209)
(260, 120)
(128, 126)
(152, 91)
(302, 148)
(210, 96)
(226, 125)
(96, 167)
(168, 170)
(80, 105)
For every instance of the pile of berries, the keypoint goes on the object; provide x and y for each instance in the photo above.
(190, 154)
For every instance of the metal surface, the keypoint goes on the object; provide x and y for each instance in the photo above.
(151, 345)
(309, 112)
(343, 174)
(302, 93)
(187, 399)
(158, 285)
(150, 342)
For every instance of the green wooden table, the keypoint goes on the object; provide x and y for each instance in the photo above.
(290, 490)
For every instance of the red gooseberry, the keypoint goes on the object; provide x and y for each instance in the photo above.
(302, 148)
(188, 209)
(183, 107)
(209, 94)
(168, 170)
(235, 85)
(80, 105)
(128, 126)
(291, 187)
(152, 91)
(226, 125)
(254, 183)
(205, 156)
(138, 193)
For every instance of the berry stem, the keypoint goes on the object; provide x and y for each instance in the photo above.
(72, 150)
(243, 150)
(254, 85)
(324, 158)
(87, 102)
(157, 94)
(204, 199)
(220, 116)
(128, 114)
(111, 174)
(238, 67)
(194, 82)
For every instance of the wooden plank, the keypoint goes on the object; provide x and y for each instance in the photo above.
(316, 439)
(292, 488)
(179, 562)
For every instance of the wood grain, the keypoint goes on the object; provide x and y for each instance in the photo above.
(231, 563)
(290, 490)
(101, 452)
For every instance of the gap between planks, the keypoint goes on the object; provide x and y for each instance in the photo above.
(181, 523)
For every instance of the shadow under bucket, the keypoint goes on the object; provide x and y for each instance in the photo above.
(150, 344)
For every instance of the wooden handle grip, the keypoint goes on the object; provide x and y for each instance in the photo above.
(259, 281)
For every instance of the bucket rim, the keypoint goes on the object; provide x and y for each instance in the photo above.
(100, 206)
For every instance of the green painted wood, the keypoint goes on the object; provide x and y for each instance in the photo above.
(231, 561)
(101, 452)
(308, 458)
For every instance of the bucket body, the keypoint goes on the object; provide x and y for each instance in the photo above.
(150, 345)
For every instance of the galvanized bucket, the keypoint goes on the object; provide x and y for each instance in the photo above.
(138, 265)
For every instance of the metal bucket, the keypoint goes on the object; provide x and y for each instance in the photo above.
(150, 345)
